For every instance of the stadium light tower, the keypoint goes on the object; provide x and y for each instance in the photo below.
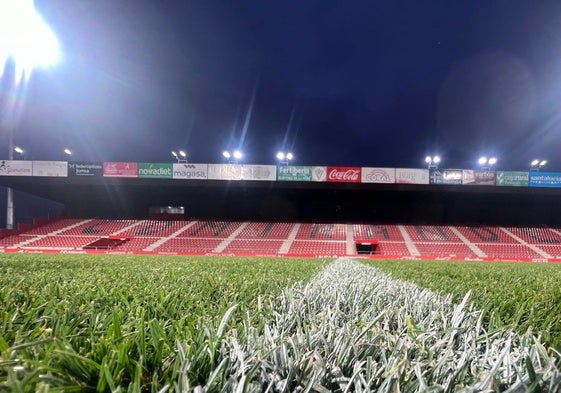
(284, 158)
(28, 42)
(432, 161)
(486, 163)
(537, 164)
(235, 156)
(180, 155)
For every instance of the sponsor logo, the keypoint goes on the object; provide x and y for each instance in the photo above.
(378, 175)
(190, 171)
(412, 176)
(514, 179)
(294, 173)
(253, 172)
(349, 175)
(318, 173)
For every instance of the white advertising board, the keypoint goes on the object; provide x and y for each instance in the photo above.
(411, 176)
(260, 172)
(50, 168)
(224, 172)
(377, 175)
(190, 171)
(16, 168)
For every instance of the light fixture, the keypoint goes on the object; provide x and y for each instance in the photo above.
(487, 163)
(67, 151)
(180, 155)
(284, 158)
(432, 161)
(236, 155)
(537, 164)
(18, 150)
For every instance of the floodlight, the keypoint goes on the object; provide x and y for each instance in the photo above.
(280, 156)
(68, 152)
(173, 153)
(492, 161)
(182, 153)
(226, 154)
(26, 38)
(18, 150)
(432, 162)
(289, 156)
(543, 162)
(238, 154)
(535, 162)
(482, 160)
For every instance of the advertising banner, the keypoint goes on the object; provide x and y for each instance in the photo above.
(411, 176)
(190, 171)
(225, 171)
(16, 168)
(50, 168)
(319, 173)
(343, 174)
(513, 179)
(445, 176)
(155, 171)
(120, 169)
(478, 178)
(377, 175)
(294, 173)
(85, 169)
(259, 172)
(545, 179)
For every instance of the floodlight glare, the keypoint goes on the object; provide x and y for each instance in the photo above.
(280, 156)
(226, 154)
(428, 159)
(182, 153)
(535, 162)
(68, 152)
(289, 156)
(482, 160)
(492, 161)
(26, 38)
(174, 154)
(436, 159)
(18, 150)
(238, 154)
(543, 162)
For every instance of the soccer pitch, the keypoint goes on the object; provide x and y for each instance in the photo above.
(146, 323)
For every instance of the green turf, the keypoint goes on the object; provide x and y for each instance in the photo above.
(519, 295)
(98, 322)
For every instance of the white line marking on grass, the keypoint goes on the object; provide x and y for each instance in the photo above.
(355, 328)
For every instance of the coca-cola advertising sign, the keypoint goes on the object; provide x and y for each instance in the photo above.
(343, 174)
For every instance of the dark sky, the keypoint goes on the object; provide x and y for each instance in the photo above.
(367, 83)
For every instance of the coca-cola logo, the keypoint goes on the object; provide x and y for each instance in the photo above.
(349, 175)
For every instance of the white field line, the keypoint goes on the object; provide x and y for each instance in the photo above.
(355, 328)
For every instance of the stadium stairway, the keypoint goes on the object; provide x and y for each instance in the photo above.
(199, 237)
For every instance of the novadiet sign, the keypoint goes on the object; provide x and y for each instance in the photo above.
(160, 171)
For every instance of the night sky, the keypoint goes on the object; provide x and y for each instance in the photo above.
(366, 83)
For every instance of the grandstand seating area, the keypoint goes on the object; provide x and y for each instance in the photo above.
(289, 238)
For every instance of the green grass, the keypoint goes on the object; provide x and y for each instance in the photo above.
(518, 295)
(95, 323)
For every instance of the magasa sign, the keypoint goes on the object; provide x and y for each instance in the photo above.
(343, 174)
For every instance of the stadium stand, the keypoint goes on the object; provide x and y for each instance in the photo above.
(289, 238)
